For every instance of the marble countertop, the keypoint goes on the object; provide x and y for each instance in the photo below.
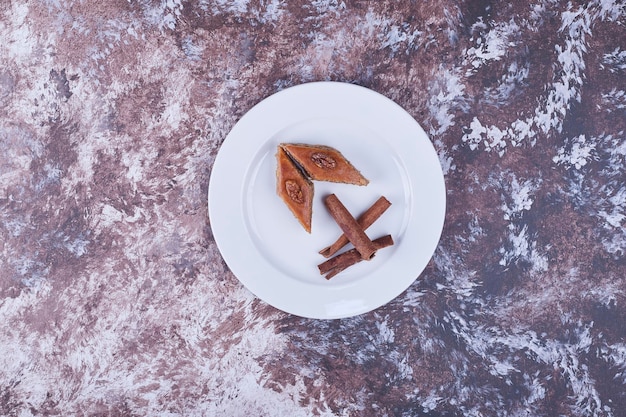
(114, 299)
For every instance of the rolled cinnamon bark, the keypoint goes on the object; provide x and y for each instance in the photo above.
(350, 227)
(365, 220)
(339, 263)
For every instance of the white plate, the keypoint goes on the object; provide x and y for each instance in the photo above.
(265, 246)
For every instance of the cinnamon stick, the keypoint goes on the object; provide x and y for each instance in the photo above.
(350, 227)
(365, 220)
(339, 263)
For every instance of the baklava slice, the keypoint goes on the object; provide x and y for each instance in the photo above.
(324, 163)
(294, 188)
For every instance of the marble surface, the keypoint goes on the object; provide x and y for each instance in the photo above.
(114, 299)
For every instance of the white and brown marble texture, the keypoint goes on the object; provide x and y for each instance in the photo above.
(114, 300)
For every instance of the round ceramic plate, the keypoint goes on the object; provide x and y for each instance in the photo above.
(262, 242)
